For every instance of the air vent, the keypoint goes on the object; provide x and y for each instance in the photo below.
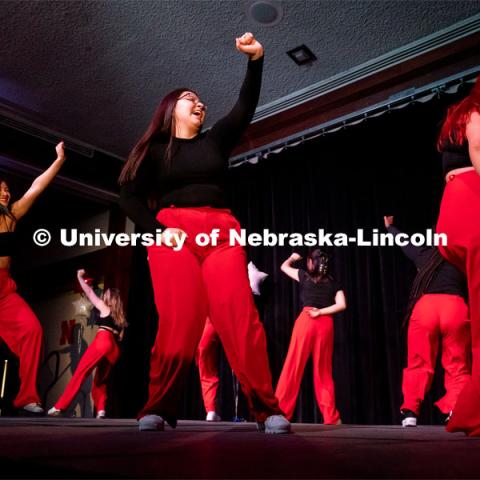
(301, 55)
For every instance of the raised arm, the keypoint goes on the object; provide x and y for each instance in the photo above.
(339, 305)
(287, 268)
(92, 296)
(228, 130)
(472, 133)
(415, 254)
(22, 206)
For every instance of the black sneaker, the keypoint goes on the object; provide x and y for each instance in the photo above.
(409, 419)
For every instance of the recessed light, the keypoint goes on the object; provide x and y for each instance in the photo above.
(265, 12)
(301, 55)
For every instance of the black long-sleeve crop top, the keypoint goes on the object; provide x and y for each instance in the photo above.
(198, 172)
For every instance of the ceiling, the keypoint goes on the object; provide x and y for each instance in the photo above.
(95, 70)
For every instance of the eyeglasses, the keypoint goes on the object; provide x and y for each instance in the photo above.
(194, 99)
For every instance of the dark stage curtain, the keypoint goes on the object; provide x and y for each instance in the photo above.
(340, 182)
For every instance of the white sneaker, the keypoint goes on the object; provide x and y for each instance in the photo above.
(33, 408)
(54, 412)
(151, 422)
(275, 424)
(409, 422)
(101, 414)
(409, 418)
(213, 417)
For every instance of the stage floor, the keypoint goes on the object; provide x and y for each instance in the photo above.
(114, 448)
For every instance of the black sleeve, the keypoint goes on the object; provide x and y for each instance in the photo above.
(133, 201)
(336, 286)
(301, 275)
(227, 131)
(417, 255)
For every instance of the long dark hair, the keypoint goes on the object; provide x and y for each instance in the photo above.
(319, 267)
(5, 211)
(162, 126)
(458, 115)
(422, 281)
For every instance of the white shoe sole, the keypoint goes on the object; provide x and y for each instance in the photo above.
(213, 417)
(277, 431)
(276, 424)
(151, 423)
(409, 422)
(54, 412)
(34, 408)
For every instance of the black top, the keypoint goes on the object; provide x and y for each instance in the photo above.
(318, 295)
(455, 156)
(199, 166)
(8, 242)
(446, 279)
(108, 322)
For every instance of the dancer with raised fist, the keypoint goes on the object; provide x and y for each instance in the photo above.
(185, 170)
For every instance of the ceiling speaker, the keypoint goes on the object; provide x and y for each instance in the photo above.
(265, 12)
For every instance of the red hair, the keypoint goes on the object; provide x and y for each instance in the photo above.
(458, 115)
(162, 125)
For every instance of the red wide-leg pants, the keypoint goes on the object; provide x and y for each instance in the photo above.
(460, 219)
(437, 318)
(22, 332)
(190, 283)
(207, 359)
(102, 353)
(310, 336)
